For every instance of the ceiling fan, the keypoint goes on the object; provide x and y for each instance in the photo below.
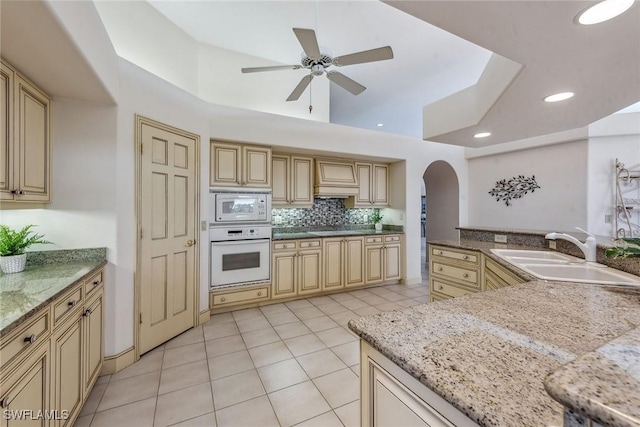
(318, 62)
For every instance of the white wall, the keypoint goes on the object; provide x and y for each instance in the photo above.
(615, 137)
(560, 203)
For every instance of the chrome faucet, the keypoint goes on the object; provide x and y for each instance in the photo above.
(588, 248)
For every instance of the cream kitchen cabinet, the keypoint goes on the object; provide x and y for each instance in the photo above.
(383, 258)
(292, 181)
(51, 363)
(453, 272)
(373, 186)
(25, 139)
(344, 263)
(335, 177)
(237, 165)
(496, 276)
(297, 268)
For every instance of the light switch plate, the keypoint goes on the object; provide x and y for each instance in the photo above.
(500, 238)
(552, 244)
(277, 219)
(203, 225)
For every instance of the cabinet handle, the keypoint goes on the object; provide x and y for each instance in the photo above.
(439, 268)
(465, 257)
(96, 283)
(439, 252)
(71, 303)
(30, 339)
(259, 294)
(87, 312)
(223, 299)
(465, 275)
(440, 287)
(4, 403)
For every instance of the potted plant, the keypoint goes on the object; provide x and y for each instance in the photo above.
(13, 244)
(626, 248)
(376, 218)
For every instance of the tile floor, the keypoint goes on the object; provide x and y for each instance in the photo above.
(286, 364)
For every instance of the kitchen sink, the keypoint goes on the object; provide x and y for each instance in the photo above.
(550, 265)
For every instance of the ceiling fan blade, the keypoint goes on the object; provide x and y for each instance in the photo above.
(379, 54)
(308, 41)
(274, 68)
(345, 82)
(300, 88)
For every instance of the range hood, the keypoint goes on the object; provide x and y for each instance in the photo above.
(335, 178)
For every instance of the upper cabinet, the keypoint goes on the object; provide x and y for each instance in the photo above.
(25, 144)
(237, 165)
(335, 177)
(373, 185)
(292, 180)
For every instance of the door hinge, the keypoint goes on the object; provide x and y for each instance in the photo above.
(141, 149)
(140, 318)
(141, 233)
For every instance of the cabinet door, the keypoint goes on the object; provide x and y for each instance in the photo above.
(365, 189)
(93, 347)
(301, 181)
(33, 133)
(27, 389)
(392, 262)
(225, 164)
(380, 178)
(374, 264)
(310, 271)
(333, 263)
(67, 387)
(354, 261)
(280, 181)
(284, 275)
(256, 166)
(6, 132)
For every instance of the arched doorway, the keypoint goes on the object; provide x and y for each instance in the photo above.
(442, 203)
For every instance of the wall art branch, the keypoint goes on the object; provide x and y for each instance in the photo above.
(513, 188)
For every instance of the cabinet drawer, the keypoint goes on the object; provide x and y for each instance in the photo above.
(66, 305)
(388, 239)
(239, 297)
(447, 289)
(93, 283)
(284, 245)
(25, 339)
(453, 254)
(309, 244)
(370, 240)
(463, 274)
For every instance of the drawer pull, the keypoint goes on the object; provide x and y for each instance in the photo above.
(465, 257)
(465, 275)
(4, 403)
(259, 294)
(440, 252)
(223, 299)
(30, 339)
(71, 304)
(87, 312)
(440, 287)
(439, 268)
(96, 283)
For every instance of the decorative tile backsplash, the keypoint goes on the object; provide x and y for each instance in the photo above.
(324, 212)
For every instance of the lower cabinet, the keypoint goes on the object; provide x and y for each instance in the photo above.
(297, 268)
(497, 276)
(51, 375)
(343, 262)
(391, 397)
(383, 259)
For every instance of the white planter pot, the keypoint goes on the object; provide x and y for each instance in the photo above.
(378, 226)
(13, 264)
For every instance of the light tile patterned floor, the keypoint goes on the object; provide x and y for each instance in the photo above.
(279, 365)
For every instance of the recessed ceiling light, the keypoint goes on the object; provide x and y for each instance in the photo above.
(603, 11)
(482, 135)
(380, 125)
(559, 97)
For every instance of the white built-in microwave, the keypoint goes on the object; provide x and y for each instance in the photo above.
(239, 207)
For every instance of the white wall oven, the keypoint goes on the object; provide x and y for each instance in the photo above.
(239, 207)
(240, 254)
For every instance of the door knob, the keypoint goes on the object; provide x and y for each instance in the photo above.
(190, 243)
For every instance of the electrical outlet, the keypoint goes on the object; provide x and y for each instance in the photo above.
(500, 238)
(607, 219)
(552, 244)
(203, 225)
(277, 219)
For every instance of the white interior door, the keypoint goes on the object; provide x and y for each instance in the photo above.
(168, 228)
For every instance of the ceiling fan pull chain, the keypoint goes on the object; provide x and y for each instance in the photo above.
(310, 103)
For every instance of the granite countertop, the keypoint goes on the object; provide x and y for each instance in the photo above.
(488, 353)
(23, 294)
(330, 233)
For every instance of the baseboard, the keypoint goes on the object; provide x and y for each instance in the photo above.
(204, 316)
(411, 280)
(116, 363)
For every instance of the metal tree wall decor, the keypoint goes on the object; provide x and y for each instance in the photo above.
(513, 188)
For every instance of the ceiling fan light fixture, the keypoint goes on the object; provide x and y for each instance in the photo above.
(557, 97)
(380, 125)
(603, 11)
(482, 135)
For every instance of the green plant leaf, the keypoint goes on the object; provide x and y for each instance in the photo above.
(16, 242)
